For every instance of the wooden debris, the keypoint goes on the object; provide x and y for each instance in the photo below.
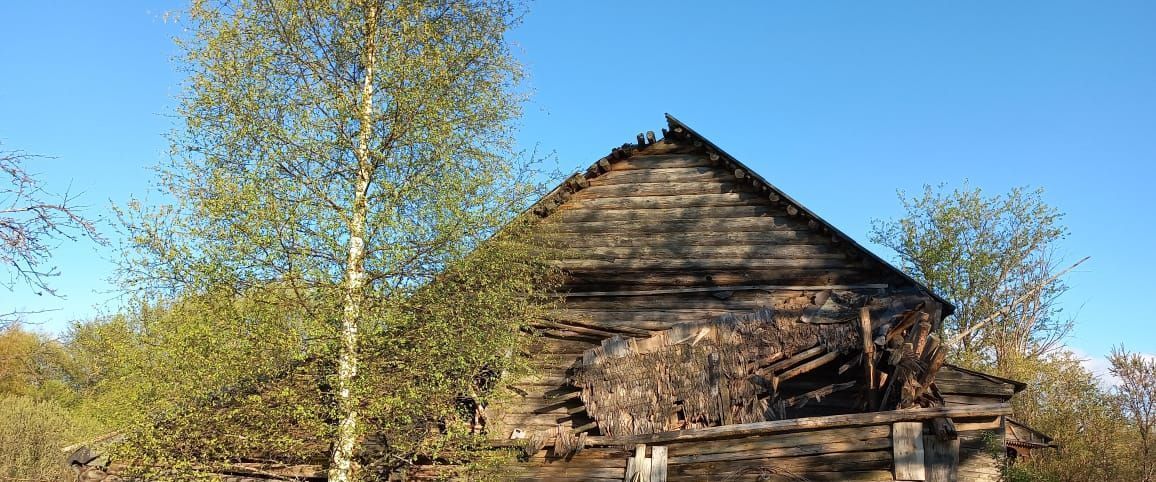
(806, 367)
(818, 394)
(699, 373)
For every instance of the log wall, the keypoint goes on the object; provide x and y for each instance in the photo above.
(663, 223)
(884, 446)
(672, 235)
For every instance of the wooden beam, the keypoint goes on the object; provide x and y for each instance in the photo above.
(795, 360)
(708, 289)
(601, 326)
(629, 264)
(576, 329)
(808, 423)
(818, 393)
(806, 367)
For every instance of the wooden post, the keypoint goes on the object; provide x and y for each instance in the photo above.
(941, 458)
(638, 467)
(658, 463)
(868, 358)
(907, 447)
(642, 463)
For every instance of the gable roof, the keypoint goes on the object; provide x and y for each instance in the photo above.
(679, 131)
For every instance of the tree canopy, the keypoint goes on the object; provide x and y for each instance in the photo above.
(339, 162)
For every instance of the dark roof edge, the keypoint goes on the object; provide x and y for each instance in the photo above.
(949, 308)
(1048, 439)
(1018, 385)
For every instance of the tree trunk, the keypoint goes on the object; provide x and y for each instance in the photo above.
(341, 468)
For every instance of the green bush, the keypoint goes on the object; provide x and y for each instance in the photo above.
(32, 434)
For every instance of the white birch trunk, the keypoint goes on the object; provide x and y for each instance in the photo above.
(341, 468)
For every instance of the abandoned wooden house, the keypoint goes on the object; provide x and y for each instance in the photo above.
(713, 328)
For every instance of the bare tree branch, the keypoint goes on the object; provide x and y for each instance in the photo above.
(33, 221)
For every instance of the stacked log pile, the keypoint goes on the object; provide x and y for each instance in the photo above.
(913, 355)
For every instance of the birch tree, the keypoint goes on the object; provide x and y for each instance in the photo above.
(336, 156)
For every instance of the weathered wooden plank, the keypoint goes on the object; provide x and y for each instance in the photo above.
(953, 399)
(772, 476)
(593, 332)
(658, 462)
(674, 240)
(907, 447)
(819, 463)
(660, 225)
(779, 441)
(972, 425)
(782, 251)
(712, 289)
(667, 202)
(591, 279)
(643, 319)
(973, 387)
(565, 470)
(664, 175)
(664, 189)
(563, 318)
(585, 215)
(800, 424)
(941, 459)
(795, 359)
(660, 161)
(697, 264)
(642, 464)
(796, 451)
(692, 301)
(601, 463)
(563, 478)
(652, 319)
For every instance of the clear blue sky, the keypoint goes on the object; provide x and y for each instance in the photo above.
(838, 103)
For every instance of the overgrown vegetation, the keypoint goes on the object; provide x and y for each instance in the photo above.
(32, 432)
(985, 253)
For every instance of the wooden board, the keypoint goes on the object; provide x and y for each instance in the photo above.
(907, 440)
(941, 459)
(645, 161)
(586, 215)
(664, 175)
